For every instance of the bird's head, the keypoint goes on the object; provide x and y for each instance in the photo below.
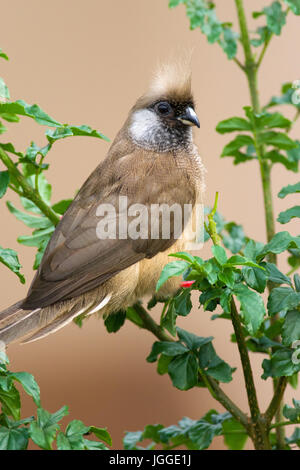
(161, 120)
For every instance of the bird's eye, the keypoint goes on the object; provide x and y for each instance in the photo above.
(163, 108)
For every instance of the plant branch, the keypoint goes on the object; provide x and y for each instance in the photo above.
(28, 190)
(276, 400)
(215, 390)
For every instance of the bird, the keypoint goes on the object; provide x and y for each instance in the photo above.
(153, 161)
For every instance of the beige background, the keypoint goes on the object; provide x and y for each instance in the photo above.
(87, 62)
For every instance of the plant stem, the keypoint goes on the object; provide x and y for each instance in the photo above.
(215, 390)
(265, 169)
(260, 435)
(276, 400)
(28, 190)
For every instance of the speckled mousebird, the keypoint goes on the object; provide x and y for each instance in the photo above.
(152, 160)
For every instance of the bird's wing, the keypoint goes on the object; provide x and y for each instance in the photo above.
(76, 259)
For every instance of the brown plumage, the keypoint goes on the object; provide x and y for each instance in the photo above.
(152, 161)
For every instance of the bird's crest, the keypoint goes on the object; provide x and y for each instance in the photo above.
(171, 81)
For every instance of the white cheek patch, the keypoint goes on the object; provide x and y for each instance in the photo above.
(144, 123)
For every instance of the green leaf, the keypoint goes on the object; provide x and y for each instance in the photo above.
(294, 6)
(183, 371)
(4, 91)
(297, 282)
(34, 111)
(13, 439)
(10, 402)
(252, 308)
(115, 321)
(183, 303)
(255, 278)
(169, 319)
(167, 348)
(29, 220)
(68, 131)
(237, 143)
(275, 157)
(287, 92)
(289, 189)
(220, 254)
(279, 243)
(44, 430)
(228, 42)
(10, 259)
(192, 341)
(3, 55)
(227, 277)
(285, 216)
(237, 260)
(102, 434)
(163, 363)
(235, 436)
(272, 120)
(275, 275)
(292, 413)
(202, 433)
(233, 124)
(282, 299)
(61, 206)
(175, 268)
(277, 139)
(4, 182)
(175, 3)
(37, 238)
(213, 365)
(264, 35)
(281, 364)
(291, 327)
(131, 439)
(235, 240)
(29, 384)
(276, 17)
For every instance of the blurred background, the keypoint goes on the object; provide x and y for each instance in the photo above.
(86, 63)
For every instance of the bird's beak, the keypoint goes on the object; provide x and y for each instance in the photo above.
(189, 117)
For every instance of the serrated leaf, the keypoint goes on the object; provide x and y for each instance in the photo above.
(44, 430)
(235, 436)
(252, 308)
(233, 124)
(21, 108)
(279, 243)
(294, 6)
(285, 216)
(276, 17)
(280, 364)
(192, 341)
(291, 327)
(167, 348)
(275, 275)
(29, 384)
(175, 268)
(13, 439)
(282, 299)
(213, 365)
(220, 254)
(115, 321)
(183, 371)
(4, 182)
(237, 143)
(277, 139)
(29, 220)
(255, 278)
(289, 189)
(10, 402)
(10, 259)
